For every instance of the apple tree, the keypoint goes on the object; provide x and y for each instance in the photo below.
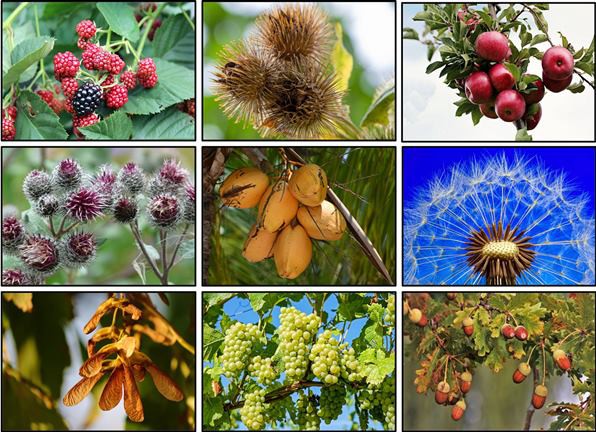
(489, 72)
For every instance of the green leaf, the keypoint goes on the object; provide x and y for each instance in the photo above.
(476, 115)
(176, 84)
(422, 16)
(540, 21)
(341, 60)
(116, 127)
(430, 50)
(36, 120)
(379, 109)
(410, 33)
(434, 66)
(526, 38)
(579, 54)
(121, 19)
(522, 135)
(486, 18)
(586, 67)
(539, 38)
(212, 340)
(24, 56)
(171, 31)
(576, 88)
(170, 124)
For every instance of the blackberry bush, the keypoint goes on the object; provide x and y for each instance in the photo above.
(64, 202)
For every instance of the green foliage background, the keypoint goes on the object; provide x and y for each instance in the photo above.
(363, 178)
(113, 264)
(222, 27)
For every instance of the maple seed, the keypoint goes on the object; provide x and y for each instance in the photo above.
(521, 333)
(562, 360)
(457, 412)
(442, 393)
(539, 396)
(468, 326)
(508, 331)
(522, 371)
(465, 382)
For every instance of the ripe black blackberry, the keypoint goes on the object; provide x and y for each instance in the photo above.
(87, 99)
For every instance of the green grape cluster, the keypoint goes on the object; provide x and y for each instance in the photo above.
(253, 411)
(263, 370)
(391, 310)
(295, 333)
(325, 358)
(238, 343)
(380, 401)
(277, 411)
(351, 369)
(331, 402)
(307, 413)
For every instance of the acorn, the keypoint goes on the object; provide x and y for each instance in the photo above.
(539, 396)
(521, 333)
(442, 392)
(458, 410)
(468, 326)
(417, 317)
(562, 360)
(465, 382)
(451, 296)
(522, 371)
(508, 331)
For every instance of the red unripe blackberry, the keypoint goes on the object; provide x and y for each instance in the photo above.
(116, 97)
(66, 65)
(116, 64)
(146, 68)
(88, 56)
(82, 43)
(11, 112)
(86, 29)
(149, 81)
(102, 60)
(9, 130)
(84, 121)
(69, 87)
(129, 79)
(46, 95)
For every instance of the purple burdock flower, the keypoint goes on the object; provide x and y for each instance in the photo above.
(39, 253)
(105, 183)
(13, 234)
(189, 203)
(170, 178)
(164, 210)
(37, 184)
(131, 178)
(84, 205)
(15, 277)
(79, 248)
(67, 175)
(125, 209)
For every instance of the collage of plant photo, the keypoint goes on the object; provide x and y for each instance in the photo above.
(314, 217)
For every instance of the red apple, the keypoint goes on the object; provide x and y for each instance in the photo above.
(470, 22)
(510, 105)
(478, 88)
(501, 78)
(556, 86)
(533, 119)
(536, 95)
(488, 109)
(557, 63)
(493, 46)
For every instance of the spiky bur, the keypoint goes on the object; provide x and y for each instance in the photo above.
(15, 277)
(164, 211)
(67, 175)
(79, 249)
(131, 179)
(47, 205)
(297, 33)
(39, 254)
(125, 209)
(84, 205)
(499, 221)
(306, 104)
(36, 184)
(243, 82)
(13, 234)
(169, 179)
(189, 203)
(105, 185)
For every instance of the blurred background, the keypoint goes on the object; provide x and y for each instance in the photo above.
(114, 262)
(364, 180)
(46, 346)
(368, 34)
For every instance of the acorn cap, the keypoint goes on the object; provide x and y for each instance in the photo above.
(461, 404)
(415, 315)
(466, 376)
(443, 387)
(541, 390)
(524, 368)
(468, 322)
(558, 354)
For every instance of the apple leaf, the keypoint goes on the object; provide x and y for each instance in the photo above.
(522, 135)
(434, 66)
(410, 33)
(540, 21)
(539, 38)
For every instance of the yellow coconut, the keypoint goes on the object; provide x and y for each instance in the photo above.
(277, 207)
(244, 187)
(323, 222)
(309, 185)
(259, 244)
(292, 252)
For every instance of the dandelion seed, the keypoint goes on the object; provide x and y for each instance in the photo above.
(499, 222)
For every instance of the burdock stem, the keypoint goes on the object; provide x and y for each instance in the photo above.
(135, 231)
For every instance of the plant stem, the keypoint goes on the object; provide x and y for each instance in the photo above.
(178, 246)
(14, 14)
(134, 228)
(163, 238)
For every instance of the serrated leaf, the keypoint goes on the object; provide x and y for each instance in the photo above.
(121, 19)
(341, 60)
(171, 124)
(24, 56)
(171, 31)
(36, 120)
(117, 126)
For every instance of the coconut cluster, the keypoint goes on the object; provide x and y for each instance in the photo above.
(279, 79)
(291, 213)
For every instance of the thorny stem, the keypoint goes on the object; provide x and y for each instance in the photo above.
(134, 228)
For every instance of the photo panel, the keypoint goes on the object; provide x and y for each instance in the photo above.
(299, 216)
(101, 216)
(299, 360)
(99, 361)
(498, 216)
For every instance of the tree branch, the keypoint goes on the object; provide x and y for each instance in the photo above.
(278, 394)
